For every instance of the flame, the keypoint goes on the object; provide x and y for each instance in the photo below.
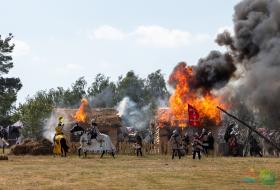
(204, 102)
(80, 115)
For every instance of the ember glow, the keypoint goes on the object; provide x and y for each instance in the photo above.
(80, 115)
(182, 79)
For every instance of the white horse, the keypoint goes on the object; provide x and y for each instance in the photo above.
(101, 144)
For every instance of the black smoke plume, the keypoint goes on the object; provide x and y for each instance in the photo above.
(254, 47)
(214, 71)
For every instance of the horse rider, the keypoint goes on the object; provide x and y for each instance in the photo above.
(175, 141)
(94, 131)
(59, 126)
(59, 140)
(95, 134)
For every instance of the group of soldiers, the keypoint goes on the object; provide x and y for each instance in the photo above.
(233, 137)
(203, 143)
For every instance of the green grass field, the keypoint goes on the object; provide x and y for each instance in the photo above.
(130, 172)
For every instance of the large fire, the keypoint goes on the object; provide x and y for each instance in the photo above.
(80, 115)
(204, 102)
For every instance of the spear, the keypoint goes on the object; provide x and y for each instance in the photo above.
(251, 128)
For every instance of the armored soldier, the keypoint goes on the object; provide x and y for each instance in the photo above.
(138, 144)
(186, 142)
(204, 138)
(196, 146)
(94, 131)
(175, 141)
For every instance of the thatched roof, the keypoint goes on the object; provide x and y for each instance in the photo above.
(105, 117)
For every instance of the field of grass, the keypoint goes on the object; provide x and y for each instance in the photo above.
(130, 172)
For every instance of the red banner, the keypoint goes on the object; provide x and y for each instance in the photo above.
(193, 116)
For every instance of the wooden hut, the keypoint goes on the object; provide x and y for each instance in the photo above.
(107, 120)
(165, 124)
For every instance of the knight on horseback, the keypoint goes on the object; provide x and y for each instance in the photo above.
(94, 131)
(59, 140)
(94, 141)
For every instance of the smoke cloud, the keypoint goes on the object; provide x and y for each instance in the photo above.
(254, 48)
(214, 71)
(134, 116)
(257, 43)
(51, 123)
(103, 99)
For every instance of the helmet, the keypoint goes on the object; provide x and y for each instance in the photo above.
(175, 132)
(93, 122)
(232, 124)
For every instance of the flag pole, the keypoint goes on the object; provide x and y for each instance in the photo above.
(250, 127)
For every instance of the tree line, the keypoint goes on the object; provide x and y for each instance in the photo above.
(102, 93)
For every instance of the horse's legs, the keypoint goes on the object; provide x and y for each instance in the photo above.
(79, 152)
(85, 154)
(61, 149)
(3, 149)
(140, 152)
(102, 154)
(113, 154)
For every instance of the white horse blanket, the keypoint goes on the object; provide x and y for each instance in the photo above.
(98, 145)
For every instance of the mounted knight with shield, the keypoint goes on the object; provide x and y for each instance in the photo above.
(94, 141)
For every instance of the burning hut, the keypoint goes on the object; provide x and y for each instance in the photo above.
(166, 123)
(107, 120)
(187, 99)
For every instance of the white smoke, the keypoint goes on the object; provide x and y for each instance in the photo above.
(51, 122)
(49, 127)
(162, 102)
(132, 115)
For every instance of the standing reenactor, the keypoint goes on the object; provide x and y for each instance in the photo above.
(204, 138)
(232, 144)
(196, 146)
(229, 129)
(175, 142)
(255, 149)
(211, 142)
(138, 145)
(186, 142)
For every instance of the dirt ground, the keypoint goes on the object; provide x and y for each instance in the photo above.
(130, 172)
